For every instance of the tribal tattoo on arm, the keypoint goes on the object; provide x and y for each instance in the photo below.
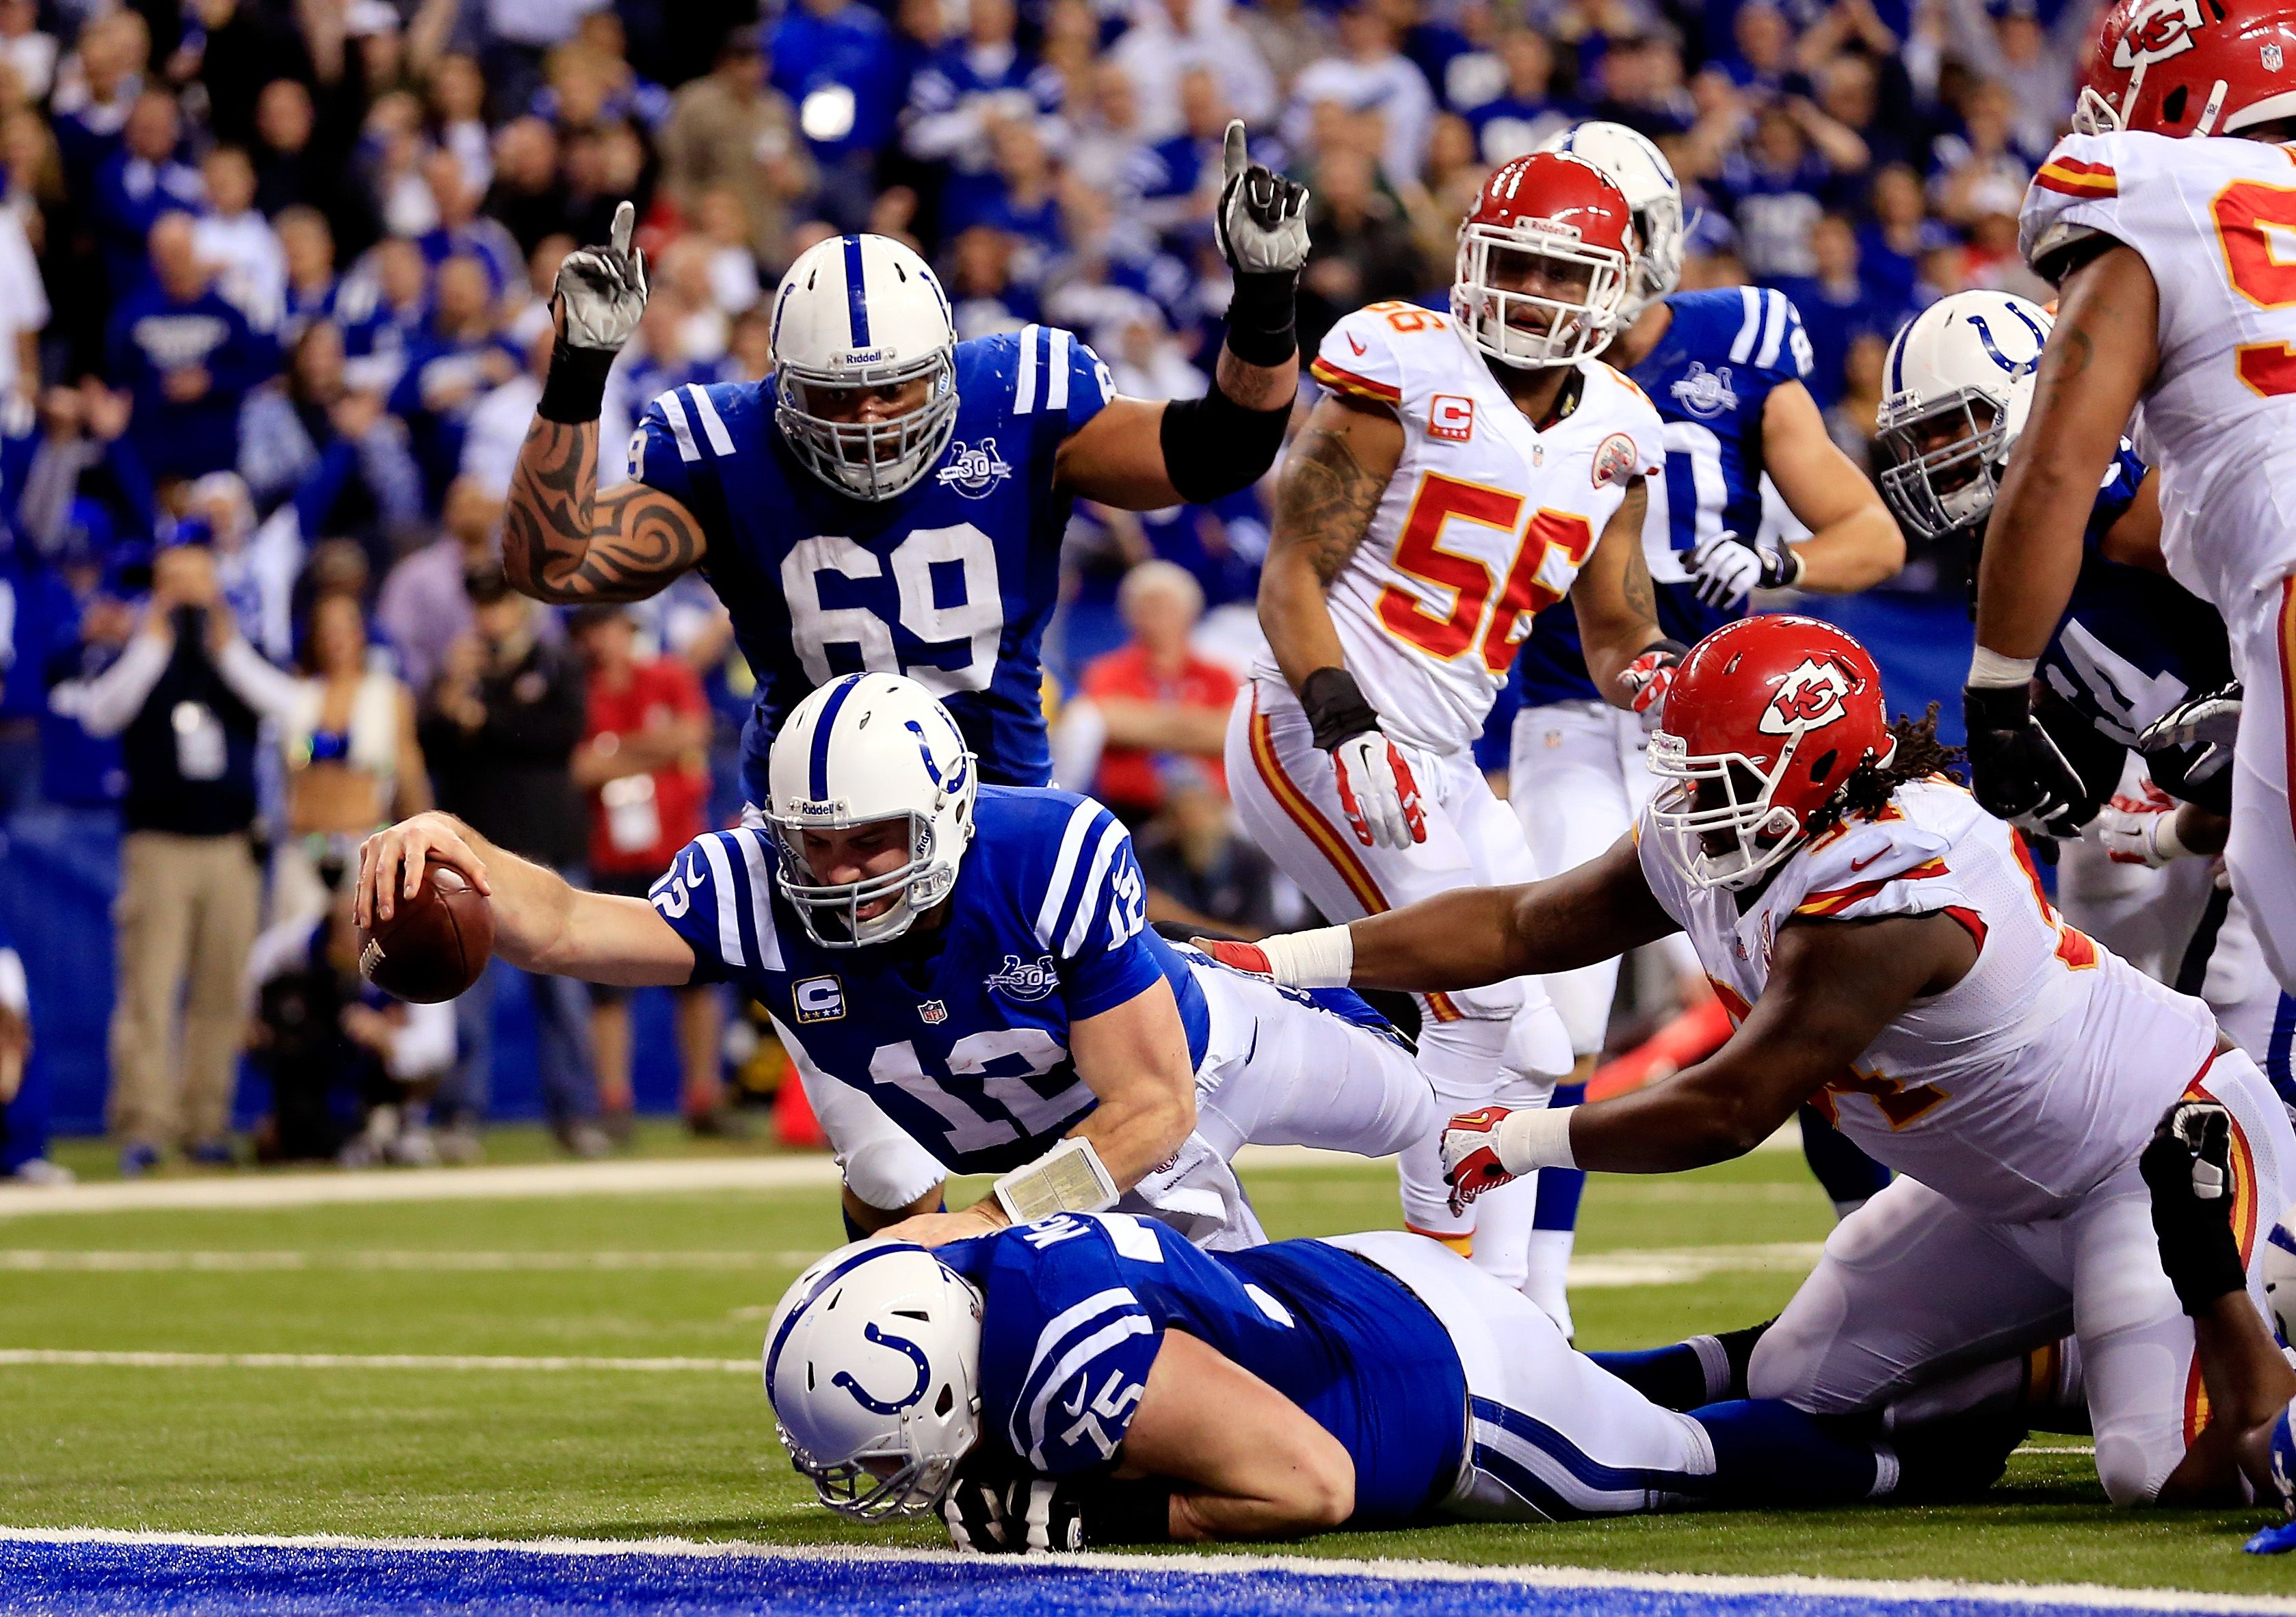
(565, 543)
(1325, 500)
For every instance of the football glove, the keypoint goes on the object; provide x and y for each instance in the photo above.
(602, 290)
(1261, 225)
(1243, 957)
(1471, 1155)
(1648, 679)
(2016, 769)
(2139, 830)
(975, 1513)
(1377, 792)
(2210, 720)
(1724, 572)
(2188, 1169)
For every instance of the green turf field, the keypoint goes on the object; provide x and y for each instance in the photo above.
(435, 1450)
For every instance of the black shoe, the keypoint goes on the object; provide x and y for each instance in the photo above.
(1955, 1459)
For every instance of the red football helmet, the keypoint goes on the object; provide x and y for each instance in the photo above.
(1544, 261)
(1767, 719)
(2191, 67)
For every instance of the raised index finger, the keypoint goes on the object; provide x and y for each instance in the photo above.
(626, 219)
(1233, 160)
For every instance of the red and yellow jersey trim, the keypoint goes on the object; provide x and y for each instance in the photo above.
(2070, 177)
(1833, 901)
(1347, 382)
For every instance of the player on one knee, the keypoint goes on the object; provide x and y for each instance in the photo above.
(1459, 472)
(971, 967)
(1726, 369)
(1889, 955)
(891, 499)
(1093, 1380)
(2133, 649)
(2173, 299)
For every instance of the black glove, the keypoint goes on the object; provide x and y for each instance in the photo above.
(2188, 1167)
(977, 1506)
(2016, 771)
(1261, 228)
(2188, 750)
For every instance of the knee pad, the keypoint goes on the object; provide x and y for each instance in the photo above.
(1539, 1048)
(889, 1173)
(2130, 1476)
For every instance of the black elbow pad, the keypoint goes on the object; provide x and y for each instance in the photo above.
(1213, 445)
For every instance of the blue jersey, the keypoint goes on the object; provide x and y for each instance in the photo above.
(2133, 643)
(1710, 375)
(950, 583)
(1075, 1310)
(959, 1034)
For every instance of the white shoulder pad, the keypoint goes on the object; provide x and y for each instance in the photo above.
(2076, 194)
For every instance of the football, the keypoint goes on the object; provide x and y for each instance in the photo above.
(435, 944)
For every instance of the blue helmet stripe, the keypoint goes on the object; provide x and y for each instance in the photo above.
(1898, 360)
(856, 303)
(838, 692)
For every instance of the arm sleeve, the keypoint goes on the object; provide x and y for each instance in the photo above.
(1357, 357)
(108, 703)
(716, 896)
(1094, 915)
(1064, 1378)
(2074, 196)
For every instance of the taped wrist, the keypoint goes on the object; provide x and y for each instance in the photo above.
(1989, 669)
(1125, 1511)
(1213, 445)
(1533, 1139)
(1335, 707)
(575, 391)
(1261, 315)
(1323, 957)
(1070, 1178)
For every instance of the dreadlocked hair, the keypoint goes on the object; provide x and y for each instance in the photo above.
(1920, 755)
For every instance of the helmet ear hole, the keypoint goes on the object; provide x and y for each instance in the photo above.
(2173, 107)
(1823, 766)
(946, 1400)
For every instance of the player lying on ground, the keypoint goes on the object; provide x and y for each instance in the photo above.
(1886, 951)
(891, 499)
(2251, 1387)
(1091, 1379)
(2177, 301)
(970, 965)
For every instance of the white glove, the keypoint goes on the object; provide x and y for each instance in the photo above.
(2140, 830)
(1724, 572)
(1261, 224)
(1377, 792)
(602, 290)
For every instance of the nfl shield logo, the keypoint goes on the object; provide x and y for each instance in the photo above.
(933, 1011)
(2271, 53)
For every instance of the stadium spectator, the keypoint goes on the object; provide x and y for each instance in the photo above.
(187, 357)
(452, 365)
(1155, 697)
(732, 131)
(642, 765)
(327, 453)
(186, 698)
(835, 62)
(345, 1063)
(353, 761)
(140, 180)
(500, 727)
(238, 243)
(1369, 78)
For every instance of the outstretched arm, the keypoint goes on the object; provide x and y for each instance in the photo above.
(542, 922)
(1854, 543)
(561, 543)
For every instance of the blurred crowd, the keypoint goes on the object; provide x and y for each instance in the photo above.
(273, 323)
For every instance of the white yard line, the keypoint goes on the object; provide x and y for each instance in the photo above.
(519, 1363)
(1925, 1589)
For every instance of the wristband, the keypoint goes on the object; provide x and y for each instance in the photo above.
(1070, 1178)
(1112, 1511)
(1988, 668)
(1534, 1138)
(2162, 834)
(1260, 318)
(1791, 564)
(575, 391)
(1322, 959)
(1335, 707)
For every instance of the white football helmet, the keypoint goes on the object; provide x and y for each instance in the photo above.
(862, 749)
(1958, 384)
(873, 1366)
(1640, 170)
(2278, 1265)
(863, 312)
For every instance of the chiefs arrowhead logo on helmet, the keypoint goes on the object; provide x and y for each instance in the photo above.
(1809, 698)
(2157, 32)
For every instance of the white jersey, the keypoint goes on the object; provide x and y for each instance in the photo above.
(2019, 1089)
(1486, 520)
(2210, 218)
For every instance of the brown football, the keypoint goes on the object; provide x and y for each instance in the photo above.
(435, 944)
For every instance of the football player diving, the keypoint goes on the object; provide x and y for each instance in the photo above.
(970, 968)
(891, 500)
(1087, 1379)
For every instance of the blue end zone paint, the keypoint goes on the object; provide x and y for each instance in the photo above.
(292, 1580)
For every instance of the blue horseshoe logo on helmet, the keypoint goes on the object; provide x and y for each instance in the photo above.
(932, 770)
(2014, 367)
(886, 1339)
